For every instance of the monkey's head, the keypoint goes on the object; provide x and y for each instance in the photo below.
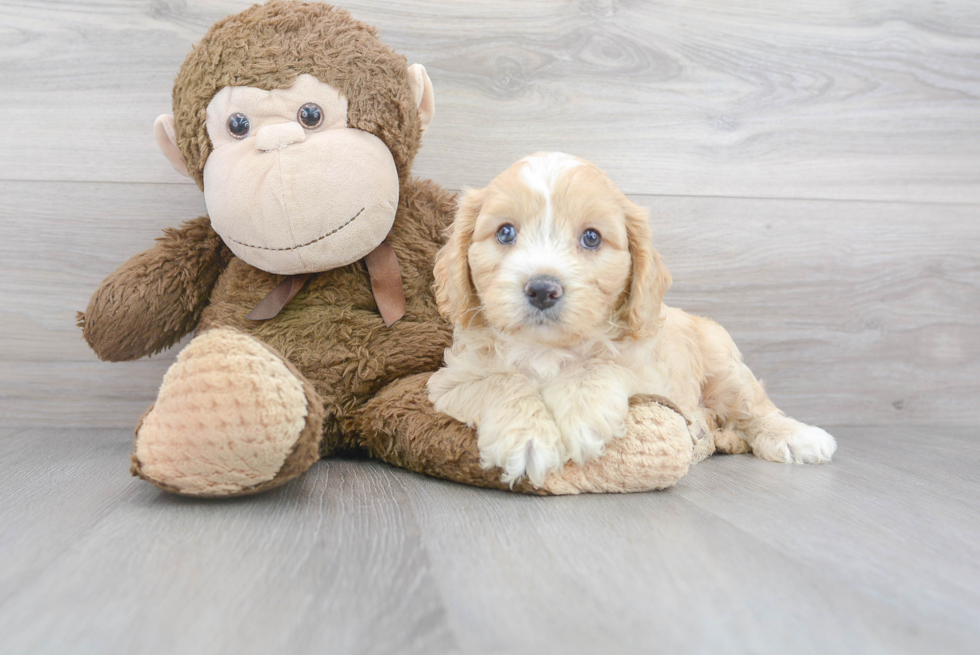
(300, 127)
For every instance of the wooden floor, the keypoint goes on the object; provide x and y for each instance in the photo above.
(876, 553)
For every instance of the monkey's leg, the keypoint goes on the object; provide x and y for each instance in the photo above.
(656, 452)
(232, 417)
(400, 426)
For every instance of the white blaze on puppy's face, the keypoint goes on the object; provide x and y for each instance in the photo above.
(551, 200)
(289, 186)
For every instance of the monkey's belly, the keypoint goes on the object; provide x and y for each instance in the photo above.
(332, 331)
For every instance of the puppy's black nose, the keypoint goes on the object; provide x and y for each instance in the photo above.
(543, 291)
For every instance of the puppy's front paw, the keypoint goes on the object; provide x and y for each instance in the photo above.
(806, 445)
(532, 448)
(588, 425)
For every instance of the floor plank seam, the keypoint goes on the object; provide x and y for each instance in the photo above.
(635, 194)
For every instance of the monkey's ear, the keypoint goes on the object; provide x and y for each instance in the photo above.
(425, 99)
(166, 136)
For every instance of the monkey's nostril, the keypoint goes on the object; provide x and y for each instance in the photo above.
(543, 291)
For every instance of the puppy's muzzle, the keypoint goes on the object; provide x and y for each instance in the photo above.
(543, 291)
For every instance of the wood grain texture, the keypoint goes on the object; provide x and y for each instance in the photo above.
(93, 560)
(79, 233)
(875, 99)
(852, 312)
(874, 553)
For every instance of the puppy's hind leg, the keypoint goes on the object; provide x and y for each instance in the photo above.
(743, 409)
(780, 438)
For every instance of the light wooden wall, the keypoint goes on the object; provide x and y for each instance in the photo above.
(812, 167)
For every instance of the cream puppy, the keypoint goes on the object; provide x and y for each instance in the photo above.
(555, 290)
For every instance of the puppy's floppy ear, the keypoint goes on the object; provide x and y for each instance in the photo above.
(454, 288)
(649, 279)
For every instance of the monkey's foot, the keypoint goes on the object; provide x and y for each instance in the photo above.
(402, 427)
(655, 453)
(232, 417)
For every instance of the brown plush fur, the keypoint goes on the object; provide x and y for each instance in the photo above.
(331, 331)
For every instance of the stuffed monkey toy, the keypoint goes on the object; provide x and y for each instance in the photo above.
(309, 282)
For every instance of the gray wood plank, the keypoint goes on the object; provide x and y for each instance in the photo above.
(879, 519)
(743, 556)
(54, 488)
(94, 561)
(53, 255)
(867, 100)
(853, 312)
(938, 459)
(870, 554)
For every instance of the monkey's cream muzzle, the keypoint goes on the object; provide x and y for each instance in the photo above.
(320, 202)
(289, 199)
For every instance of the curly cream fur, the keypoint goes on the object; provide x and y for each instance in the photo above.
(543, 387)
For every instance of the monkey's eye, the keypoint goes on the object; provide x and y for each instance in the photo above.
(506, 233)
(238, 125)
(310, 116)
(591, 239)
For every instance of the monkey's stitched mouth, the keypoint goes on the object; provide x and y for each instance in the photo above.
(308, 243)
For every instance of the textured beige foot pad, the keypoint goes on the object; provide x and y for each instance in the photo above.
(232, 417)
(656, 452)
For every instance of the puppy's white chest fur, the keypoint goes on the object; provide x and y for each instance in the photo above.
(539, 363)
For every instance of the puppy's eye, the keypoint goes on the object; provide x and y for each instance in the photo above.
(506, 233)
(238, 125)
(310, 116)
(591, 239)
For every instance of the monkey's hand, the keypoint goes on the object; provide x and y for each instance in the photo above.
(157, 296)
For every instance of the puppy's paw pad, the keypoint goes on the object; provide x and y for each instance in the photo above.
(542, 461)
(582, 443)
(534, 450)
(807, 445)
(811, 445)
(584, 434)
(494, 455)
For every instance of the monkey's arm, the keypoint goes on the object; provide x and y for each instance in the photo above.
(157, 296)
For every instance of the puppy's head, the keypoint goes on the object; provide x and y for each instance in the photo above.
(552, 252)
